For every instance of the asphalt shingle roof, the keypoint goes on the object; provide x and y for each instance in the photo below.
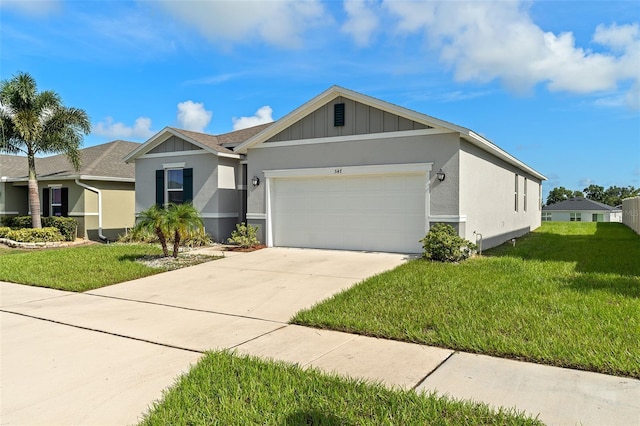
(218, 142)
(578, 204)
(104, 161)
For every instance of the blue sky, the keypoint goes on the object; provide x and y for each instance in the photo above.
(554, 83)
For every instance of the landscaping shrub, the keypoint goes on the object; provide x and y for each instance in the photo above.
(443, 244)
(3, 231)
(66, 225)
(31, 235)
(244, 235)
(17, 222)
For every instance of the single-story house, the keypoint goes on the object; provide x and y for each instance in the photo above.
(100, 196)
(580, 209)
(344, 171)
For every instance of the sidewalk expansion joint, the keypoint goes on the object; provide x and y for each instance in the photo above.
(40, 300)
(184, 308)
(434, 370)
(166, 345)
(257, 337)
(331, 350)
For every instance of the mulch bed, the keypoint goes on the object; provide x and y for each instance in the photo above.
(246, 249)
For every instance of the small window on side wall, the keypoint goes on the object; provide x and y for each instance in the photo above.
(575, 217)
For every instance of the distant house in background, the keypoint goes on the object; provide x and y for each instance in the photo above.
(581, 209)
(100, 196)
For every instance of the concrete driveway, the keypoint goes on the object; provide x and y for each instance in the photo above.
(104, 356)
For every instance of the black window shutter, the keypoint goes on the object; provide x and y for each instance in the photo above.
(160, 188)
(338, 115)
(187, 188)
(46, 207)
(65, 201)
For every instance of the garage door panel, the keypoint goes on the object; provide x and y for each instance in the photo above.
(380, 213)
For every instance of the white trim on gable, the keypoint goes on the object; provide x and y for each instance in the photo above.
(336, 91)
(165, 134)
(351, 138)
(174, 154)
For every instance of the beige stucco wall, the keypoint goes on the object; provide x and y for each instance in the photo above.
(118, 203)
(487, 197)
(13, 199)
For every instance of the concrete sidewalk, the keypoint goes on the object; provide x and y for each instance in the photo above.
(104, 356)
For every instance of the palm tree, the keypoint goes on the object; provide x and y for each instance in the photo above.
(154, 221)
(38, 123)
(183, 220)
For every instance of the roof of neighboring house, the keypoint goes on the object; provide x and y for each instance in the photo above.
(336, 91)
(105, 161)
(578, 204)
(216, 144)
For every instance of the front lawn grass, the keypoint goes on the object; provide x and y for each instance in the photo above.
(225, 389)
(77, 268)
(568, 294)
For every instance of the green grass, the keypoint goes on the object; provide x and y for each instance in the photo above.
(224, 389)
(76, 268)
(567, 294)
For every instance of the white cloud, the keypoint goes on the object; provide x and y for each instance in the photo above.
(193, 116)
(280, 23)
(263, 115)
(362, 21)
(141, 129)
(484, 41)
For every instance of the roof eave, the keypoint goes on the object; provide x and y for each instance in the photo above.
(158, 138)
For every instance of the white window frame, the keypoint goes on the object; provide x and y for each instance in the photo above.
(547, 216)
(524, 200)
(167, 190)
(575, 217)
(516, 193)
(51, 197)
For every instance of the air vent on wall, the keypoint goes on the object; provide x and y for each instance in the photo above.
(338, 115)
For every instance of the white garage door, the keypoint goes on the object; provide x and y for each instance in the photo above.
(373, 212)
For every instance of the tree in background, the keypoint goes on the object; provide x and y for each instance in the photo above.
(595, 193)
(38, 123)
(611, 196)
(560, 194)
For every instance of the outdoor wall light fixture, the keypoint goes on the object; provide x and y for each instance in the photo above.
(255, 181)
(440, 175)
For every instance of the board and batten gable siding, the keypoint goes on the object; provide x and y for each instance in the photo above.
(487, 197)
(174, 144)
(360, 119)
(441, 150)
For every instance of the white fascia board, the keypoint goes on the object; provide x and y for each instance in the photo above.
(165, 134)
(352, 138)
(486, 145)
(339, 171)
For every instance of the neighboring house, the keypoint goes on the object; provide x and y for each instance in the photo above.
(344, 171)
(100, 196)
(579, 209)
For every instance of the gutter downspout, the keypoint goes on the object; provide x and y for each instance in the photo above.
(97, 191)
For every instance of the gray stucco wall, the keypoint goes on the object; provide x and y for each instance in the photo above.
(210, 200)
(487, 197)
(440, 149)
(14, 200)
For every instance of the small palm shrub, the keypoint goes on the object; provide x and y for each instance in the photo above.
(244, 236)
(443, 244)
